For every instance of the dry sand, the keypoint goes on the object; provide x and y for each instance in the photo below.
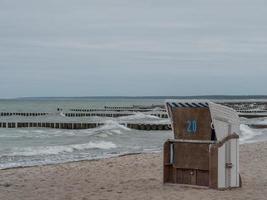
(127, 177)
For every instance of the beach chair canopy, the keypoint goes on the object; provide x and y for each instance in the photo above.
(200, 120)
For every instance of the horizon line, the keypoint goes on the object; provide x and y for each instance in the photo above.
(137, 97)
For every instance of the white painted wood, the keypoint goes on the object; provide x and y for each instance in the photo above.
(237, 163)
(226, 122)
(234, 162)
(169, 112)
(224, 114)
(221, 129)
(221, 167)
(228, 153)
(227, 161)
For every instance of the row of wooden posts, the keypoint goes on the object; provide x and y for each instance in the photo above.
(114, 110)
(115, 114)
(258, 126)
(161, 115)
(26, 114)
(147, 127)
(72, 114)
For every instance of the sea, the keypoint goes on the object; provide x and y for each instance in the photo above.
(21, 147)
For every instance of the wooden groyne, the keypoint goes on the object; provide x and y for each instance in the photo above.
(149, 127)
(67, 125)
(253, 115)
(247, 114)
(245, 105)
(258, 126)
(25, 114)
(111, 114)
(117, 110)
(136, 126)
(134, 108)
(97, 113)
(247, 109)
(75, 118)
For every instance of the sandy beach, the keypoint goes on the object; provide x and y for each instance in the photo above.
(127, 177)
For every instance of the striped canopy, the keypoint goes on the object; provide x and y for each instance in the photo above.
(187, 104)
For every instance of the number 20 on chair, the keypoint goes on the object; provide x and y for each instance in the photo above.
(191, 126)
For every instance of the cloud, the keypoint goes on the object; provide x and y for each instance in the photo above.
(105, 47)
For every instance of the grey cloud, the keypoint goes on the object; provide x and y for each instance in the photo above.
(118, 47)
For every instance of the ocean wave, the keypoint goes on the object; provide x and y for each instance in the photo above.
(36, 133)
(138, 116)
(262, 121)
(113, 125)
(247, 133)
(157, 109)
(109, 128)
(53, 150)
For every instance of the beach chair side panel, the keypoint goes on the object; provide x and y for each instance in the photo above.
(228, 169)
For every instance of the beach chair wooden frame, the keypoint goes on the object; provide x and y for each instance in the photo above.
(205, 148)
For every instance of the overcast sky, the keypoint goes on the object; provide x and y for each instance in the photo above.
(132, 47)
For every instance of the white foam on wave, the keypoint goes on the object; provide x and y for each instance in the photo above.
(157, 109)
(53, 150)
(247, 133)
(143, 117)
(113, 125)
(262, 121)
(109, 128)
(62, 114)
(36, 133)
(138, 116)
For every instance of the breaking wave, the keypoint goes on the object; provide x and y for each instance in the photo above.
(138, 116)
(247, 134)
(113, 125)
(53, 150)
(109, 128)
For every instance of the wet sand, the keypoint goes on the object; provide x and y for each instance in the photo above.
(127, 177)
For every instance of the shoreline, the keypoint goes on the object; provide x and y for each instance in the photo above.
(75, 161)
(136, 176)
(103, 158)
